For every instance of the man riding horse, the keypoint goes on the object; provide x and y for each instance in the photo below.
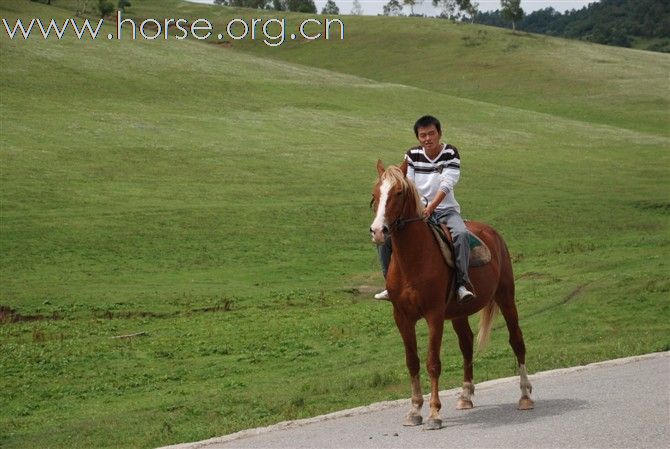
(435, 168)
(419, 278)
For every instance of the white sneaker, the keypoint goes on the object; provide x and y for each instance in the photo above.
(382, 295)
(464, 295)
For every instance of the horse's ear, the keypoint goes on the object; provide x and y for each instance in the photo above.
(403, 167)
(380, 167)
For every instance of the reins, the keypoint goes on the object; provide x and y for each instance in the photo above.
(400, 223)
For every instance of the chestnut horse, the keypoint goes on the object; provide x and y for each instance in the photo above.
(419, 281)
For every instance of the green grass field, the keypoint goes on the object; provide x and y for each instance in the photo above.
(215, 199)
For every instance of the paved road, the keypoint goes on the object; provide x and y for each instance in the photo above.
(622, 403)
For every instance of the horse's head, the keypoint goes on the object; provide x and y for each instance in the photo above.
(393, 198)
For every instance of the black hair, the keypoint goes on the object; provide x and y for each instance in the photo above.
(426, 121)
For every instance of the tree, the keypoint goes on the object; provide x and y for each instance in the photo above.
(356, 8)
(448, 8)
(392, 8)
(123, 4)
(105, 7)
(81, 8)
(255, 4)
(306, 6)
(330, 8)
(492, 18)
(541, 21)
(455, 9)
(471, 9)
(511, 11)
(411, 4)
(463, 4)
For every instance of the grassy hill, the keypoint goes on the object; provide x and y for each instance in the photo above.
(576, 80)
(215, 199)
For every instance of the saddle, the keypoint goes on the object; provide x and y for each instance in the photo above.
(479, 252)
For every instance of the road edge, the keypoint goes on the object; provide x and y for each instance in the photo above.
(379, 406)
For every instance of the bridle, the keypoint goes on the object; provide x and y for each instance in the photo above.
(400, 223)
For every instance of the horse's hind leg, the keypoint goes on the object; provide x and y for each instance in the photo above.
(465, 341)
(505, 300)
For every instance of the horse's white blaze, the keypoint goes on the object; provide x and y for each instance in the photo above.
(380, 219)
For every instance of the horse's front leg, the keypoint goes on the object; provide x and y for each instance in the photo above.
(413, 417)
(407, 330)
(435, 330)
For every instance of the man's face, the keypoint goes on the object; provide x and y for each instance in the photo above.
(429, 138)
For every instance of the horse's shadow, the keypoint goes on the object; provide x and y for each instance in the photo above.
(506, 414)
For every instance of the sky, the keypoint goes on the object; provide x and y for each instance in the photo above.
(374, 7)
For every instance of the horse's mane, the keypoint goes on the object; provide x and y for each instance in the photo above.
(396, 176)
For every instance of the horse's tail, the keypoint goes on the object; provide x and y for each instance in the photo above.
(486, 317)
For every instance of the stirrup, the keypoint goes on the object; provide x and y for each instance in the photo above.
(464, 295)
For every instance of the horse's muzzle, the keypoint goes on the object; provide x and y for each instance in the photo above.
(379, 235)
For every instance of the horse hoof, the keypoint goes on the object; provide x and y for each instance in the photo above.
(526, 404)
(464, 404)
(412, 420)
(433, 424)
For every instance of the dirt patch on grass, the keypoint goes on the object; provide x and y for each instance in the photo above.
(130, 314)
(363, 290)
(224, 44)
(574, 293)
(660, 207)
(9, 315)
(532, 275)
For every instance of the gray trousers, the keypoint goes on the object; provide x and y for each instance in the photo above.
(459, 234)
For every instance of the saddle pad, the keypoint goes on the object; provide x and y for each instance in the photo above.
(479, 252)
(444, 248)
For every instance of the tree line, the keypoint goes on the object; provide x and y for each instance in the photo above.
(626, 23)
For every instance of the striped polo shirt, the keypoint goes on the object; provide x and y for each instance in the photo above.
(433, 175)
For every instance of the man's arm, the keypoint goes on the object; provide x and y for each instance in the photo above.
(448, 179)
(433, 204)
(451, 173)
